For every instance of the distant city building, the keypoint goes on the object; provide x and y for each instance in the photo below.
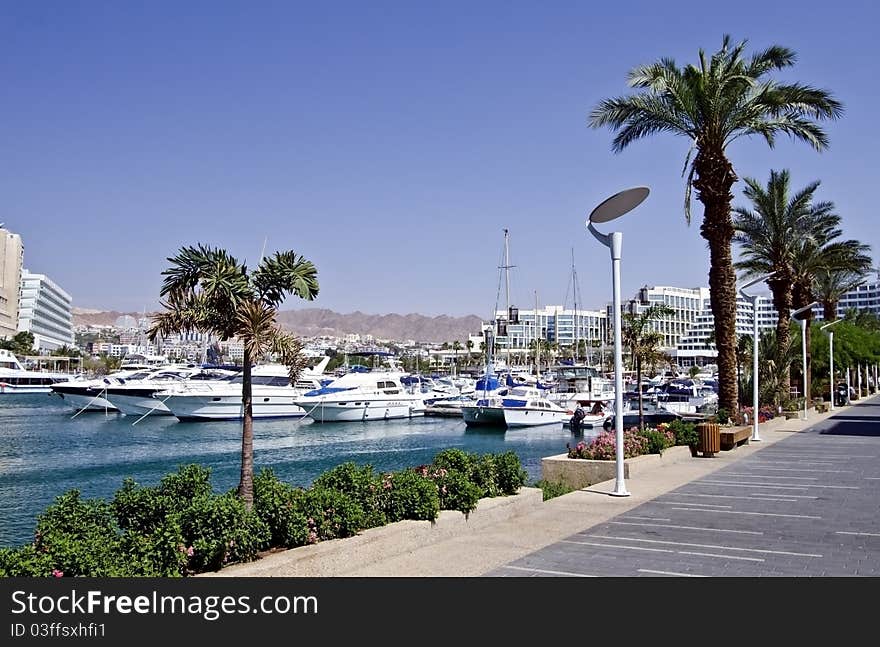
(11, 255)
(686, 305)
(45, 311)
(516, 330)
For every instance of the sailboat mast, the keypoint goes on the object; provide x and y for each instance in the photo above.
(507, 295)
(574, 291)
(537, 341)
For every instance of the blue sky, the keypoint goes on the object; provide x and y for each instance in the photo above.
(388, 142)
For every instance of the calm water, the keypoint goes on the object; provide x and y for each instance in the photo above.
(45, 452)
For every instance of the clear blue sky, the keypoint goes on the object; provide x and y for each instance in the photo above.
(388, 142)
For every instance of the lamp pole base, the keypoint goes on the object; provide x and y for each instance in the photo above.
(619, 490)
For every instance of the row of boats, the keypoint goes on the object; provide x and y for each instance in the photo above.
(193, 392)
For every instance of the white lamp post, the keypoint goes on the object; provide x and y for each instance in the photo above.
(859, 381)
(831, 356)
(610, 209)
(754, 299)
(794, 315)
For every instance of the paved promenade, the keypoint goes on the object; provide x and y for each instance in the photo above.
(802, 502)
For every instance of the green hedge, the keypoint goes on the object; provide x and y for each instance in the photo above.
(182, 527)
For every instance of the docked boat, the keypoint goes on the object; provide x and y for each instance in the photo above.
(488, 409)
(89, 394)
(362, 396)
(272, 394)
(687, 396)
(534, 411)
(16, 379)
(520, 406)
(136, 397)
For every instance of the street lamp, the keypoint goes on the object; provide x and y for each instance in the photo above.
(754, 300)
(612, 208)
(831, 356)
(794, 314)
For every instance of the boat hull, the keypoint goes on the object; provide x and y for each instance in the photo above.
(480, 416)
(214, 407)
(84, 399)
(363, 411)
(138, 405)
(528, 417)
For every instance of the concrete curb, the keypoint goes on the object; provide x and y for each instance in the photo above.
(337, 557)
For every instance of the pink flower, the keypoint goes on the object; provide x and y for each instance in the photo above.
(190, 551)
(57, 573)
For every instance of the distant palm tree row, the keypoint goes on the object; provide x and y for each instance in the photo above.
(722, 98)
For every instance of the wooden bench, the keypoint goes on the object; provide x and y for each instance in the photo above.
(732, 438)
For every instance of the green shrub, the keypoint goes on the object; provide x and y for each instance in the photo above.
(79, 536)
(220, 530)
(657, 441)
(510, 474)
(722, 416)
(332, 514)
(484, 474)
(455, 459)
(139, 508)
(161, 553)
(685, 432)
(456, 491)
(407, 494)
(25, 561)
(552, 489)
(361, 484)
(280, 507)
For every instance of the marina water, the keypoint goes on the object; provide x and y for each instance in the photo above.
(46, 451)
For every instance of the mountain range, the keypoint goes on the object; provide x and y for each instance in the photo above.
(312, 322)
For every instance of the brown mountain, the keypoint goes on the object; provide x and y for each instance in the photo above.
(311, 322)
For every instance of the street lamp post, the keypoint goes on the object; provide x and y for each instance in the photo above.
(754, 300)
(794, 315)
(610, 209)
(831, 357)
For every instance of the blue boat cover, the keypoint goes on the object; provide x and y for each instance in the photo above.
(326, 390)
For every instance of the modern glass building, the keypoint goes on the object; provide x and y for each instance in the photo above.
(45, 312)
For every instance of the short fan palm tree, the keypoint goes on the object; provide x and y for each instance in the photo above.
(723, 98)
(207, 290)
(643, 342)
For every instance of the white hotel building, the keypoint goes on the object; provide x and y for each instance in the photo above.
(45, 311)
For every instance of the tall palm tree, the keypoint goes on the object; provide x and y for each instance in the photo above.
(831, 285)
(721, 99)
(817, 253)
(456, 346)
(208, 290)
(643, 342)
(769, 236)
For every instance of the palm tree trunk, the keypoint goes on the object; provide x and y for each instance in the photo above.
(246, 483)
(782, 300)
(639, 387)
(715, 177)
(829, 310)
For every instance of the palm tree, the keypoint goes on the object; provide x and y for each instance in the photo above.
(208, 290)
(712, 104)
(456, 346)
(831, 285)
(770, 236)
(774, 369)
(643, 342)
(470, 347)
(817, 253)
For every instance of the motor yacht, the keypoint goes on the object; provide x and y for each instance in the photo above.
(16, 379)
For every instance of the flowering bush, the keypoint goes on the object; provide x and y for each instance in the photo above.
(765, 413)
(604, 446)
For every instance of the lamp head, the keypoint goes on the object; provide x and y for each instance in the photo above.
(619, 204)
(760, 279)
(795, 313)
(830, 323)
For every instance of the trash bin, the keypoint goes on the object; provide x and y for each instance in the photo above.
(709, 434)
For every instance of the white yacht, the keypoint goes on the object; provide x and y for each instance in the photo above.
(486, 409)
(135, 396)
(362, 396)
(536, 410)
(89, 394)
(15, 378)
(272, 394)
